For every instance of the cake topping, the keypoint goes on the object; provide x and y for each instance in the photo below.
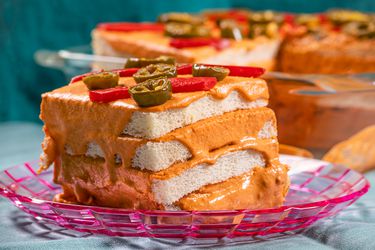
(175, 17)
(360, 30)
(340, 17)
(191, 84)
(311, 22)
(218, 44)
(264, 17)
(128, 27)
(243, 71)
(186, 30)
(101, 80)
(109, 95)
(152, 92)
(212, 71)
(265, 23)
(154, 71)
(230, 29)
(143, 62)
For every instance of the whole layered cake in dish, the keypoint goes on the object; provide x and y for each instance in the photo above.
(193, 137)
(192, 38)
(338, 41)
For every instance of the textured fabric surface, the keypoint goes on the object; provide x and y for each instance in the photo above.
(354, 228)
(29, 25)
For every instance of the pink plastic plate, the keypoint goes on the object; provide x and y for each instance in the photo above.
(317, 190)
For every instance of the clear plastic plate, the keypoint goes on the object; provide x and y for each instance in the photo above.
(318, 190)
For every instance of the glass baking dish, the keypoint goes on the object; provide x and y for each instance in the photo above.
(307, 117)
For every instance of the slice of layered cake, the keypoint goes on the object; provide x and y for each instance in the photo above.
(165, 137)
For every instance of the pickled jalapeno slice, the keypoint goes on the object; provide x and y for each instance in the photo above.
(360, 30)
(101, 80)
(230, 29)
(174, 17)
(210, 71)
(152, 92)
(154, 71)
(143, 62)
(264, 17)
(340, 17)
(184, 30)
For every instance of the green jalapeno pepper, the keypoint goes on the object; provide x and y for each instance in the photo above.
(180, 18)
(311, 22)
(102, 80)
(143, 62)
(269, 30)
(340, 17)
(230, 29)
(153, 71)
(264, 17)
(152, 92)
(360, 30)
(211, 71)
(184, 30)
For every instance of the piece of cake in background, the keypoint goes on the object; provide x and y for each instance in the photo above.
(204, 141)
(344, 43)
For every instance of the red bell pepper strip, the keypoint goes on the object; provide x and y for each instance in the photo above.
(181, 43)
(238, 15)
(185, 69)
(289, 19)
(126, 27)
(191, 84)
(244, 71)
(109, 95)
(126, 72)
(323, 19)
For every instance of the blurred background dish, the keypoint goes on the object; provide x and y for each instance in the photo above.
(311, 101)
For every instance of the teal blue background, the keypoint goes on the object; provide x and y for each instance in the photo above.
(29, 25)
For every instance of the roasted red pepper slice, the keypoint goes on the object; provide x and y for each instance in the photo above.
(238, 15)
(289, 19)
(126, 27)
(122, 73)
(109, 95)
(185, 69)
(126, 72)
(243, 71)
(191, 84)
(323, 18)
(218, 44)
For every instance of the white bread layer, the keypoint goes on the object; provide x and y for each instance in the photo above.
(262, 52)
(232, 164)
(152, 125)
(156, 156)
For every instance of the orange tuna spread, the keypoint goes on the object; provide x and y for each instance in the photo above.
(72, 121)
